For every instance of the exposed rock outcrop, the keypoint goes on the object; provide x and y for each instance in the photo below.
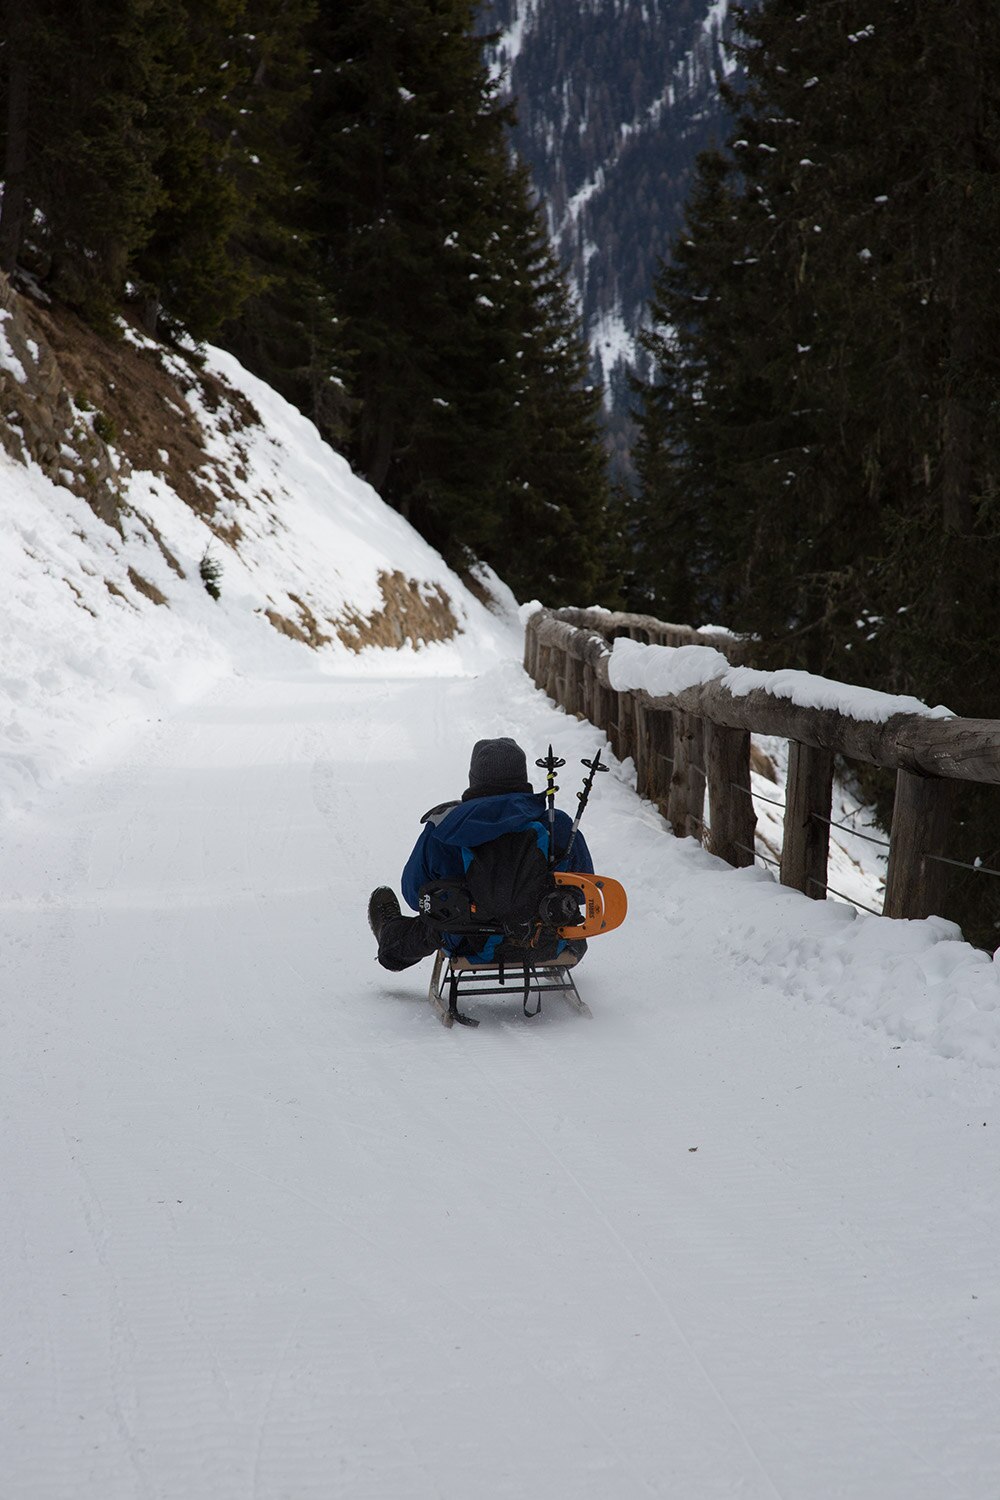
(39, 418)
(114, 417)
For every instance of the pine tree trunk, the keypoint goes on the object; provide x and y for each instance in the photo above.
(150, 309)
(13, 212)
(958, 423)
(378, 466)
(962, 268)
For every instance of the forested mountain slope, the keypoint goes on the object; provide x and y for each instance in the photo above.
(614, 100)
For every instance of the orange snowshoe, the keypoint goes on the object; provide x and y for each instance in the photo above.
(605, 904)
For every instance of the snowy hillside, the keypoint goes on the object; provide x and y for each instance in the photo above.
(270, 1230)
(103, 621)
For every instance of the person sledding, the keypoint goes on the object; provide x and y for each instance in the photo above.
(504, 837)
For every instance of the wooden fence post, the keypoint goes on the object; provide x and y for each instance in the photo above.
(641, 739)
(587, 691)
(659, 756)
(916, 884)
(542, 665)
(625, 735)
(686, 807)
(531, 644)
(805, 846)
(613, 701)
(731, 815)
(556, 667)
(568, 699)
(575, 702)
(598, 713)
(605, 702)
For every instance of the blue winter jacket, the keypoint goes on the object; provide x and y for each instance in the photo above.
(457, 826)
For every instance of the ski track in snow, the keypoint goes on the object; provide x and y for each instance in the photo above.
(272, 1231)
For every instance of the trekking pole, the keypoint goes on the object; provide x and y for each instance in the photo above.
(581, 797)
(551, 764)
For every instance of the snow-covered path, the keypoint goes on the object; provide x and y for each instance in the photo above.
(270, 1230)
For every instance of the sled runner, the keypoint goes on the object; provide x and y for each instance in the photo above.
(454, 978)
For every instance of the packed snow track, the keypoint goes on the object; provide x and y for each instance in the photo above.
(270, 1230)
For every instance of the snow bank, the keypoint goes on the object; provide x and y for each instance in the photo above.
(103, 630)
(662, 670)
(916, 981)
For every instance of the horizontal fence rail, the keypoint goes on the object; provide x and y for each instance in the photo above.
(697, 741)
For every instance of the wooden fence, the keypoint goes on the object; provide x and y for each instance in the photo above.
(699, 739)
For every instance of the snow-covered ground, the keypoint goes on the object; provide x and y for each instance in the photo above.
(270, 1230)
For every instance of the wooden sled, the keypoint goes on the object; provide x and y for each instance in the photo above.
(453, 978)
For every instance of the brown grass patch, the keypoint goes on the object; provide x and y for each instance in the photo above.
(287, 627)
(305, 629)
(414, 612)
(480, 589)
(78, 599)
(145, 587)
(309, 623)
(762, 763)
(226, 531)
(168, 556)
(477, 588)
(140, 406)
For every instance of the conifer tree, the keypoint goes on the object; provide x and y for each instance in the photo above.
(407, 145)
(220, 119)
(16, 85)
(696, 416)
(828, 339)
(80, 145)
(286, 330)
(558, 536)
(182, 266)
(431, 256)
(143, 142)
(819, 321)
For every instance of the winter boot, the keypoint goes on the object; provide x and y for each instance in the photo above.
(382, 907)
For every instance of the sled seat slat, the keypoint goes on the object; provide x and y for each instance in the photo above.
(561, 961)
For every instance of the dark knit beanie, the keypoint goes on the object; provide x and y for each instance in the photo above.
(498, 763)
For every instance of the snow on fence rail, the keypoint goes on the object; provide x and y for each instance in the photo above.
(696, 735)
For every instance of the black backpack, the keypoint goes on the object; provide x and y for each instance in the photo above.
(508, 890)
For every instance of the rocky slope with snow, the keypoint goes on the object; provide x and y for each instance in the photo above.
(131, 474)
